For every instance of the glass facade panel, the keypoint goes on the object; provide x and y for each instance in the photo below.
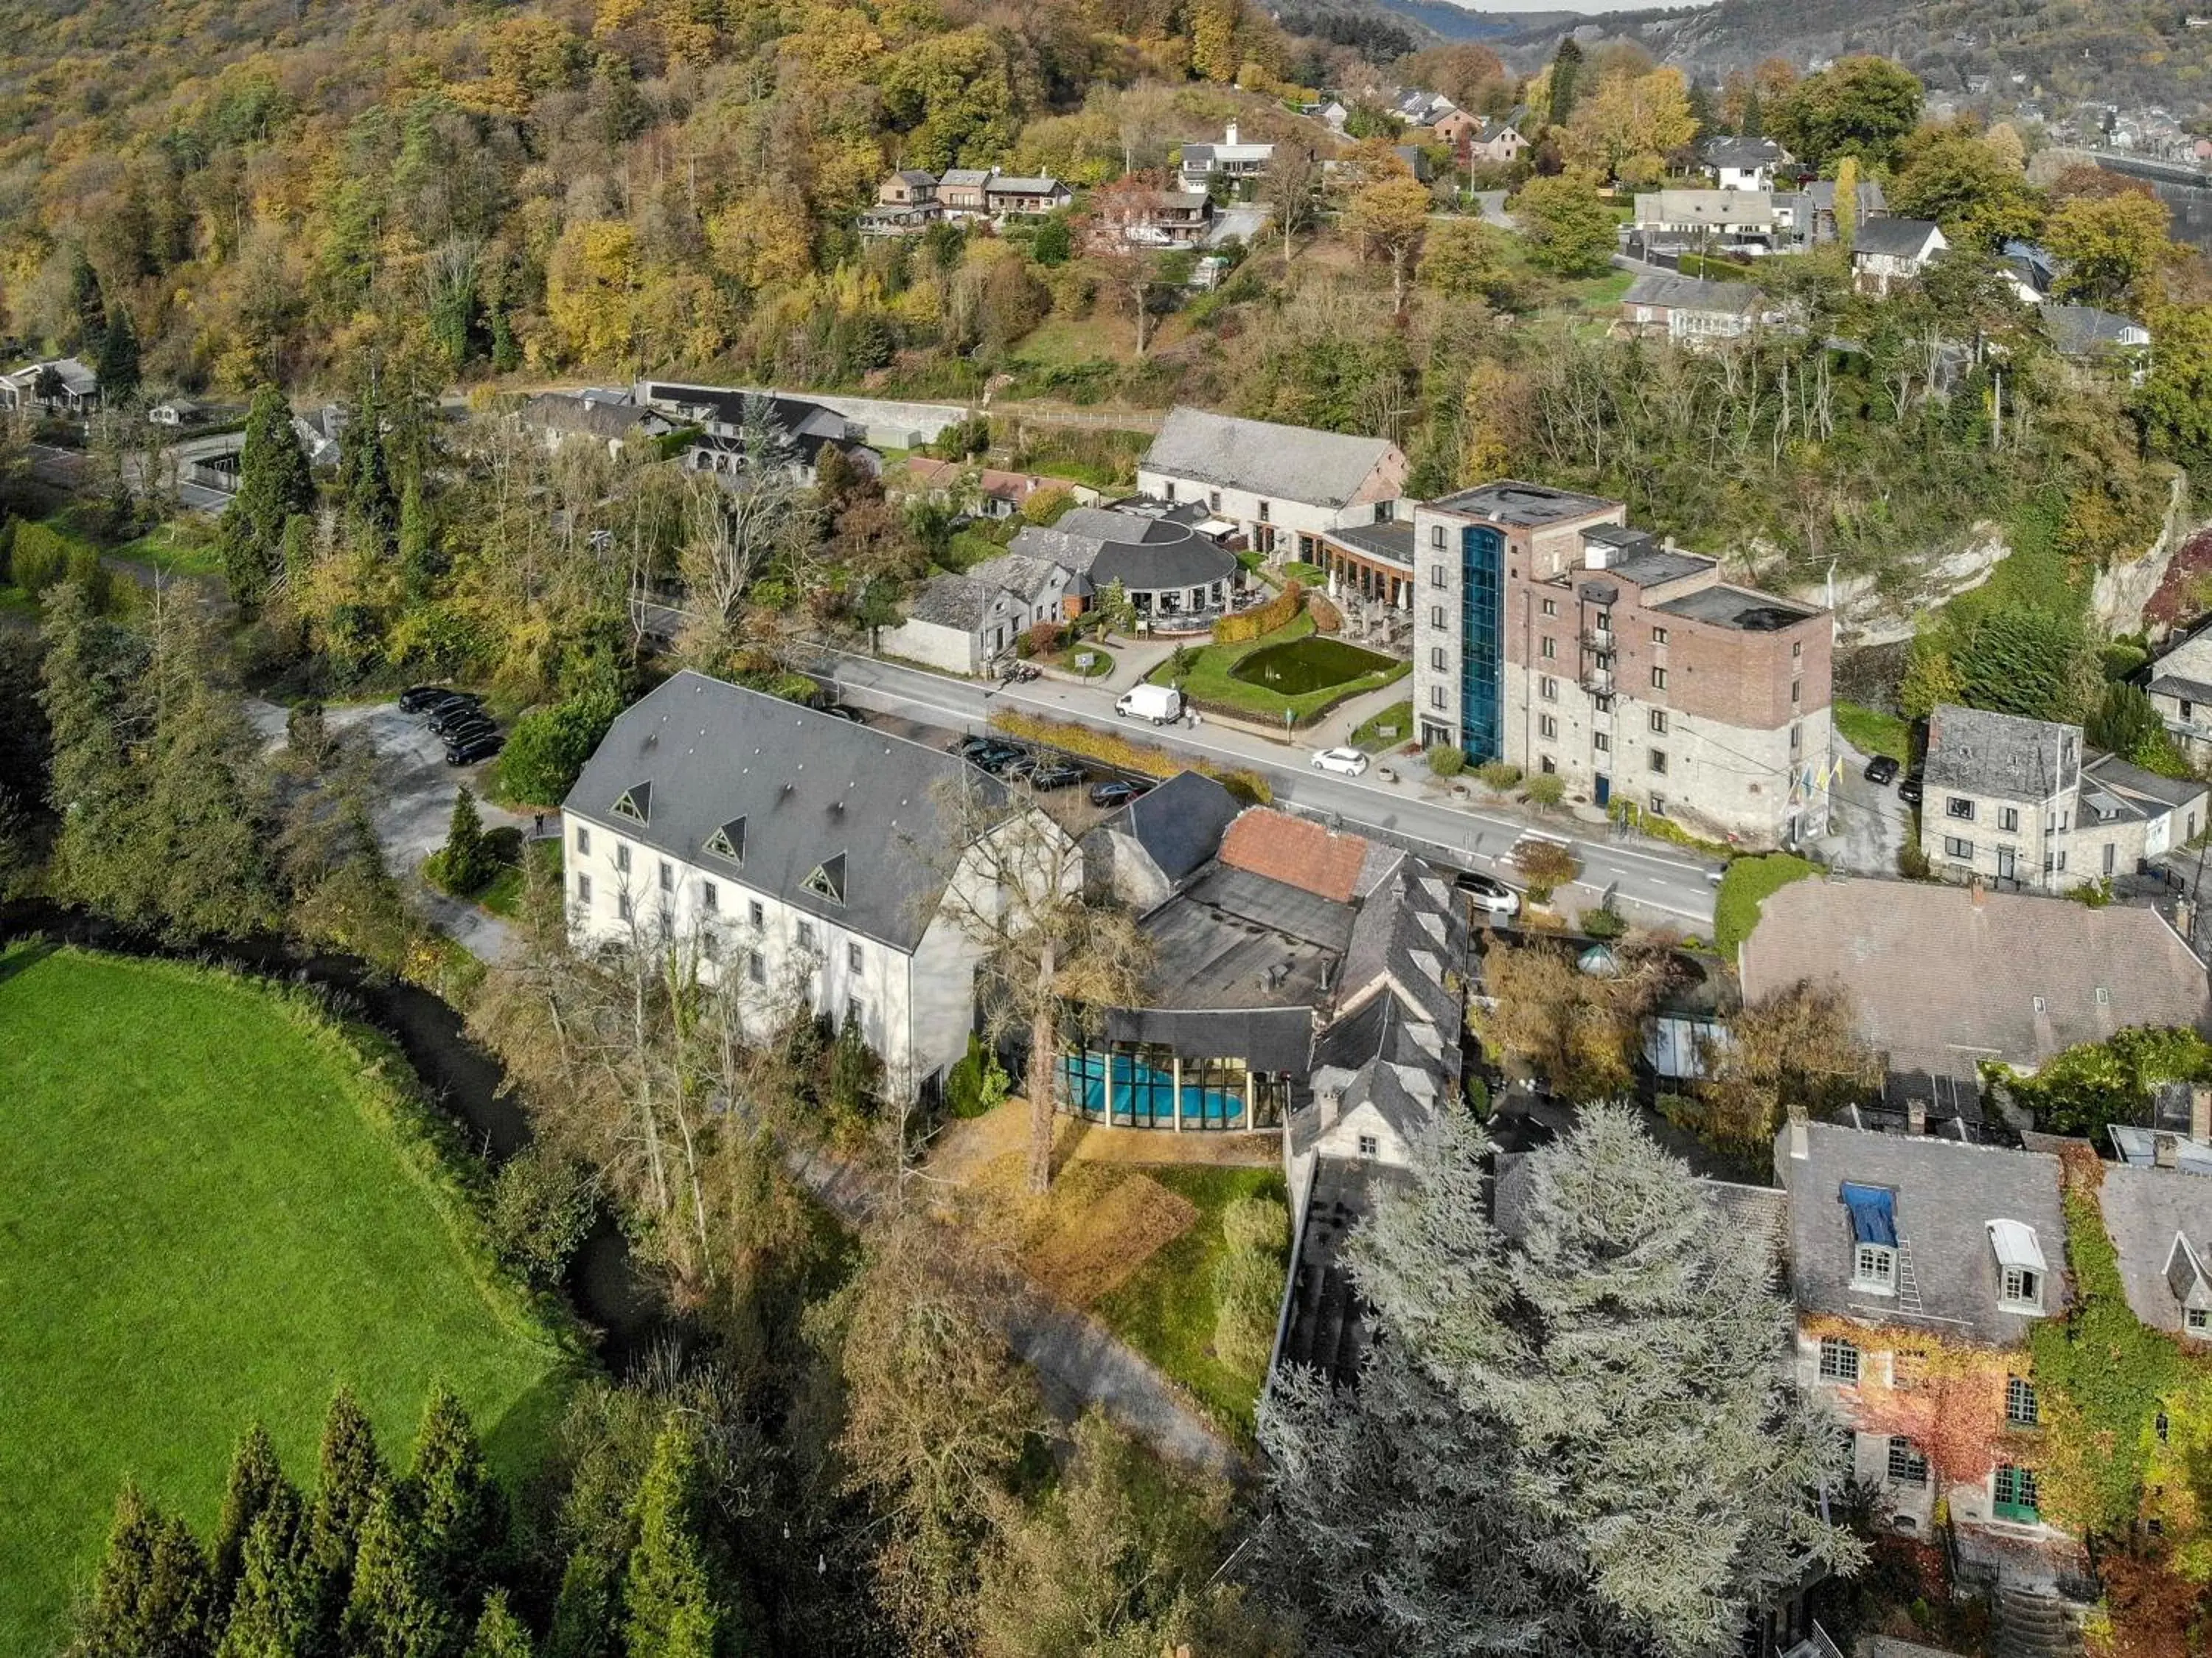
(1132, 1085)
(1482, 628)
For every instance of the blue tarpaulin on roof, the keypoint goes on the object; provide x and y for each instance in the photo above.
(1874, 1215)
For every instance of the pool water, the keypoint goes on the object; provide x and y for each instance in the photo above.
(1310, 664)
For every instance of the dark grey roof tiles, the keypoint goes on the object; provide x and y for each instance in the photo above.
(1945, 1194)
(1895, 238)
(1981, 753)
(2144, 1209)
(1179, 824)
(1289, 463)
(809, 787)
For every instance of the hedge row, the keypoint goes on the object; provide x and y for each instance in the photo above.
(1261, 620)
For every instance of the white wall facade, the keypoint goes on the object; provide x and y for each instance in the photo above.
(1265, 517)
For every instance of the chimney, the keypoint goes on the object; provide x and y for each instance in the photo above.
(1597, 555)
(1801, 1143)
(2200, 1112)
(1231, 138)
(1916, 1117)
(2165, 1150)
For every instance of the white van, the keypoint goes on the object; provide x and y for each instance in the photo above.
(1157, 703)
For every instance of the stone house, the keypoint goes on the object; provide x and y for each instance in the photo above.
(963, 624)
(1887, 252)
(1283, 487)
(1689, 310)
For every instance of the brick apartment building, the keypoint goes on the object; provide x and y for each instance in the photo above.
(1549, 633)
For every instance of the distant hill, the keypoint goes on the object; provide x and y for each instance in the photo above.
(1458, 23)
(2133, 52)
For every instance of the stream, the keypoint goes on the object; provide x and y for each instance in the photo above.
(604, 1284)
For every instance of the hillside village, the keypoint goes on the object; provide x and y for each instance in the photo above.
(905, 833)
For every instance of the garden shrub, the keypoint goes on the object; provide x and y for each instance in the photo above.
(549, 746)
(1446, 762)
(542, 1205)
(976, 1082)
(1262, 619)
(1546, 789)
(1498, 776)
(1545, 866)
(1327, 618)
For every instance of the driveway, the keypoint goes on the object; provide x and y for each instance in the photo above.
(1244, 220)
(415, 790)
(1868, 825)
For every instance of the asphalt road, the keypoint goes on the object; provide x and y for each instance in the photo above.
(1646, 875)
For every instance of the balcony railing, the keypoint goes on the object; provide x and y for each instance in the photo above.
(1598, 638)
(1598, 681)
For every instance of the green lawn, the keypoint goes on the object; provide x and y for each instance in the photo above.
(1166, 1309)
(504, 896)
(1210, 685)
(1748, 883)
(1398, 717)
(1872, 732)
(184, 546)
(214, 1211)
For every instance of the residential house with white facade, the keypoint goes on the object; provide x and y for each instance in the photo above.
(1888, 254)
(2024, 803)
(1282, 487)
(964, 623)
(1232, 160)
(1675, 219)
(2181, 690)
(62, 385)
(612, 422)
(1549, 633)
(1745, 164)
(811, 863)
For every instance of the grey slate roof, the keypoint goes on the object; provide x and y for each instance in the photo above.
(2083, 330)
(915, 175)
(1180, 823)
(953, 600)
(562, 411)
(2119, 790)
(1144, 554)
(1692, 294)
(809, 787)
(1007, 185)
(2144, 1209)
(1940, 980)
(1743, 152)
(1897, 238)
(1026, 578)
(1393, 542)
(2004, 755)
(2185, 671)
(1872, 201)
(965, 175)
(1945, 1195)
(1286, 463)
(1409, 929)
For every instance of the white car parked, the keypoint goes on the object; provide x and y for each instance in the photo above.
(1344, 762)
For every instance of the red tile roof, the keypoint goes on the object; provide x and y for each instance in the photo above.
(1297, 853)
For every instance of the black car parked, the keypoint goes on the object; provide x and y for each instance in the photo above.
(481, 747)
(446, 718)
(1118, 792)
(998, 759)
(1909, 790)
(970, 748)
(1882, 770)
(1056, 774)
(417, 698)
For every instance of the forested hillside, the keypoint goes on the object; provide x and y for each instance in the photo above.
(2126, 51)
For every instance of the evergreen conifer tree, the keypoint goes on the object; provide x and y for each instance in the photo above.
(89, 308)
(392, 1610)
(584, 1612)
(349, 1474)
(256, 1480)
(275, 485)
(88, 673)
(459, 1511)
(151, 1597)
(465, 863)
(1534, 1415)
(276, 1605)
(499, 1633)
(118, 364)
(668, 1602)
(1566, 69)
(372, 506)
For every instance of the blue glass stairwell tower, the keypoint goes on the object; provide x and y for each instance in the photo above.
(1482, 638)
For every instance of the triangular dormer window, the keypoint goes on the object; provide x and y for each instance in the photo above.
(635, 803)
(728, 841)
(828, 880)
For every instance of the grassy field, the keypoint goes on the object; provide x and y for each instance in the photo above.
(1872, 732)
(1165, 1309)
(504, 896)
(1210, 685)
(216, 1209)
(184, 546)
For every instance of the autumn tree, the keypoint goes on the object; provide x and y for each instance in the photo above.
(1016, 891)
(1121, 238)
(1954, 177)
(2110, 247)
(938, 1415)
(1568, 228)
(1388, 220)
(1292, 186)
(1577, 1032)
(2175, 401)
(1861, 107)
(1795, 1051)
(1631, 117)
